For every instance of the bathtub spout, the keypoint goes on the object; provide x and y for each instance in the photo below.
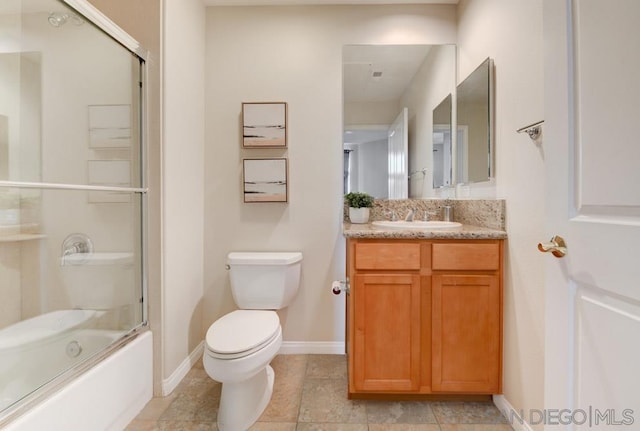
(74, 244)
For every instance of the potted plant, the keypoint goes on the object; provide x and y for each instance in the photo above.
(359, 204)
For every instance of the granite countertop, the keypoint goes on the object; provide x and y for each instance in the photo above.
(351, 230)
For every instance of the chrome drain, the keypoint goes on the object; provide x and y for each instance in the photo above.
(73, 349)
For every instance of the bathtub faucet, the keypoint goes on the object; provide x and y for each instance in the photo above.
(75, 248)
(74, 244)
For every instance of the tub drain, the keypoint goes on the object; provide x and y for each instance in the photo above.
(73, 349)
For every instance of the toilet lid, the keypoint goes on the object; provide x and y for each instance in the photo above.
(242, 330)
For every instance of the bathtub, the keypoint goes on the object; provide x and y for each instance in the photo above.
(106, 396)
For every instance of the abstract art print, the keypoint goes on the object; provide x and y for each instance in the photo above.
(109, 126)
(264, 125)
(265, 180)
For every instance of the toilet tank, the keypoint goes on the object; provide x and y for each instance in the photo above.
(264, 280)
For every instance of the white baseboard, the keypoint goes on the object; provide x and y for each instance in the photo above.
(170, 383)
(511, 414)
(312, 347)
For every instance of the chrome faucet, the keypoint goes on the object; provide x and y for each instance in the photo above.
(427, 215)
(75, 243)
(409, 216)
(74, 249)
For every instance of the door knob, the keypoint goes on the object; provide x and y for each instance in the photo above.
(556, 246)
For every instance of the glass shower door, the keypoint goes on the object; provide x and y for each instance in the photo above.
(72, 194)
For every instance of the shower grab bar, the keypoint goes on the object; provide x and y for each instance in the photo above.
(58, 186)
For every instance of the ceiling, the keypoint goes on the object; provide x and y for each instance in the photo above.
(364, 135)
(30, 6)
(396, 66)
(320, 2)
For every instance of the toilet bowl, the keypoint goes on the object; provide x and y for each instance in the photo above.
(240, 345)
(239, 348)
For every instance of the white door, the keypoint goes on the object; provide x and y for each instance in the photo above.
(398, 156)
(591, 143)
(442, 175)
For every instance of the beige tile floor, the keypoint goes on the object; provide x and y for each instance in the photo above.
(310, 395)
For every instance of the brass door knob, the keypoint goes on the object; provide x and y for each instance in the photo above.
(556, 246)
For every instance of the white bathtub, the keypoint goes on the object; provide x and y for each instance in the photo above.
(106, 397)
(34, 351)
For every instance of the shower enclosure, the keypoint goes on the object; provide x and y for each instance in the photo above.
(72, 195)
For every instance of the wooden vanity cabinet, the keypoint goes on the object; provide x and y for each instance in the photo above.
(385, 300)
(424, 316)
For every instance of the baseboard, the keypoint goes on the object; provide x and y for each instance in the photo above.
(511, 414)
(170, 383)
(312, 347)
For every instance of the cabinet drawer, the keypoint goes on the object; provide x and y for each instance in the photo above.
(394, 256)
(466, 256)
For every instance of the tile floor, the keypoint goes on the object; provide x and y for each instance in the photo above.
(310, 394)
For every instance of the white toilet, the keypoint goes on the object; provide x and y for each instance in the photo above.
(240, 345)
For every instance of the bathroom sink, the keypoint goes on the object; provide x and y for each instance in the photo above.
(416, 225)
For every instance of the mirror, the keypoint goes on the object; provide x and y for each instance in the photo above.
(442, 144)
(474, 146)
(379, 81)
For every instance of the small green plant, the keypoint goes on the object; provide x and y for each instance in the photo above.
(359, 200)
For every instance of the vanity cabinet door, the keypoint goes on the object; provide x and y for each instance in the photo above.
(466, 340)
(386, 344)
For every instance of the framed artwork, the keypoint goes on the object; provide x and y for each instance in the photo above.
(109, 126)
(265, 180)
(109, 173)
(264, 125)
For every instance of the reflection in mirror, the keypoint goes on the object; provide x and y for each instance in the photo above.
(70, 90)
(379, 81)
(4, 146)
(20, 115)
(442, 144)
(474, 147)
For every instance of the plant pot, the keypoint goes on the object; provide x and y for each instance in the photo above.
(359, 215)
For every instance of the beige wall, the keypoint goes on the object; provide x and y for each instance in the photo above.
(291, 54)
(183, 184)
(511, 33)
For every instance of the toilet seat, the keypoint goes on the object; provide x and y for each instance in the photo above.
(241, 333)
